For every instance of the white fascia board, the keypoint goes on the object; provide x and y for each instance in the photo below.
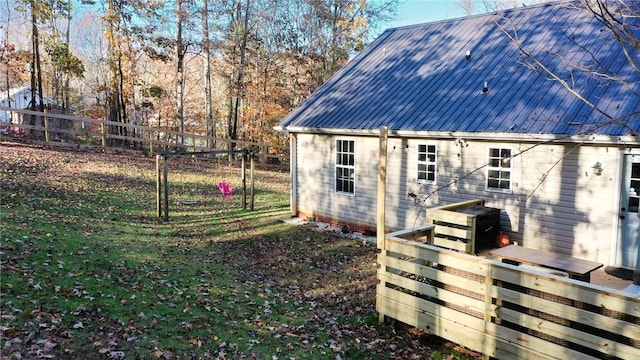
(626, 140)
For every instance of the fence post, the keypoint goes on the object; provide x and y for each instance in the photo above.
(103, 128)
(158, 187)
(166, 188)
(244, 180)
(251, 188)
(150, 141)
(47, 135)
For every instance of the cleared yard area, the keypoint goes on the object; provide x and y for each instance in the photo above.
(89, 271)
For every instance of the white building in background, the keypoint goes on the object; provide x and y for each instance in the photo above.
(19, 99)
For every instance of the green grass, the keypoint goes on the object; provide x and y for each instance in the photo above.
(89, 271)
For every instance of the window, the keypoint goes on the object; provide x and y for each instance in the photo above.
(345, 166)
(499, 169)
(427, 163)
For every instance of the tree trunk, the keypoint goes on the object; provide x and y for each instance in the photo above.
(115, 98)
(65, 89)
(36, 44)
(180, 73)
(239, 84)
(207, 75)
(7, 49)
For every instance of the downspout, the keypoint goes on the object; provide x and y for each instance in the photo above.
(293, 160)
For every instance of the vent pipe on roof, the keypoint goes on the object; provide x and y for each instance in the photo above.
(468, 57)
(485, 89)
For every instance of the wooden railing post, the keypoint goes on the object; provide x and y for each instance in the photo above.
(382, 183)
(381, 203)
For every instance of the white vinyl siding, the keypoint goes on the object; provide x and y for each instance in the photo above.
(427, 163)
(499, 169)
(556, 201)
(345, 166)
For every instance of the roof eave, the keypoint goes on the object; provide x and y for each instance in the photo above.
(625, 140)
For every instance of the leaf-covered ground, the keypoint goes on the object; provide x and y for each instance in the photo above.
(88, 271)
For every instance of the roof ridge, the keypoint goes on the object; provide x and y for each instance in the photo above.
(490, 13)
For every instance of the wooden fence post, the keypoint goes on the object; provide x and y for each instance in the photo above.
(251, 189)
(103, 128)
(158, 186)
(47, 134)
(166, 188)
(244, 181)
(150, 142)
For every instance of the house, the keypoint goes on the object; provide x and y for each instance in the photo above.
(19, 99)
(471, 114)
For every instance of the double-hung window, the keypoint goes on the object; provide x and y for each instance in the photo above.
(427, 165)
(499, 170)
(345, 166)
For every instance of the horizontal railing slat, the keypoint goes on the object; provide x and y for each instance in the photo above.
(464, 302)
(593, 294)
(567, 333)
(466, 234)
(424, 271)
(452, 244)
(513, 344)
(566, 312)
(451, 217)
(436, 254)
(409, 305)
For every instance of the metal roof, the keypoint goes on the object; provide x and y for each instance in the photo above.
(418, 78)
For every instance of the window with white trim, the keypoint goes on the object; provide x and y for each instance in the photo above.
(499, 170)
(345, 166)
(427, 167)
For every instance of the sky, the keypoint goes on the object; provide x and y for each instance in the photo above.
(420, 11)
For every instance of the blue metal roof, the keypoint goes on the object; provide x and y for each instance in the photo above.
(418, 78)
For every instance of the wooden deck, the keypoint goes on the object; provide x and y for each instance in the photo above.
(501, 310)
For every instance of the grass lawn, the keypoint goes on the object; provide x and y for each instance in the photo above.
(88, 271)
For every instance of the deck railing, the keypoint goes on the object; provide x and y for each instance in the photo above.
(500, 310)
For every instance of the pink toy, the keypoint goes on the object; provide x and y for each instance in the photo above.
(225, 189)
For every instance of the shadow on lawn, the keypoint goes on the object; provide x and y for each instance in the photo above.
(212, 282)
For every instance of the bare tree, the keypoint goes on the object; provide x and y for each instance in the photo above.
(619, 19)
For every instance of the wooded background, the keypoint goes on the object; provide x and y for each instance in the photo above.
(223, 69)
(228, 68)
